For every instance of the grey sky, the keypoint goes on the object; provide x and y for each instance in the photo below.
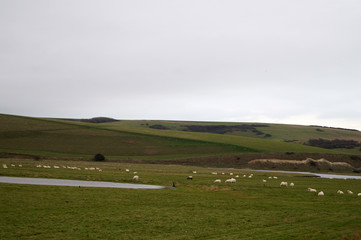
(257, 61)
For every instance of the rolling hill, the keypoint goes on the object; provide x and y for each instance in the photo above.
(142, 139)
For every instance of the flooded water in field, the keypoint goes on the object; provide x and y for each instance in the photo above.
(321, 175)
(74, 183)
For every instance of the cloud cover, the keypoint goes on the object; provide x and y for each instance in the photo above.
(259, 61)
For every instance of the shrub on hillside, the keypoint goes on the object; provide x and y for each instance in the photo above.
(331, 144)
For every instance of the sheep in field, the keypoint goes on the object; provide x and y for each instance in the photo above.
(292, 184)
(190, 177)
(321, 194)
(194, 171)
(311, 190)
(349, 192)
(283, 184)
(263, 180)
(231, 180)
(217, 181)
(5, 166)
(127, 170)
(136, 178)
(359, 194)
(214, 173)
(339, 192)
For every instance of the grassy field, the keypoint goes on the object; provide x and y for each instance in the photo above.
(44, 137)
(196, 209)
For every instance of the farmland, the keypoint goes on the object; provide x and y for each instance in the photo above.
(198, 208)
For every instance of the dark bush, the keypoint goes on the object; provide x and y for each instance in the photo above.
(158, 126)
(331, 144)
(99, 157)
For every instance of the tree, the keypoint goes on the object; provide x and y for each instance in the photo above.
(99, 157)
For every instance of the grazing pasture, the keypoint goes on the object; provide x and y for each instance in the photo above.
(195, 209)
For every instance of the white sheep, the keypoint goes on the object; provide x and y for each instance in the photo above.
(136, 178)
(275, 177)
(5, 166)
(127, 170)
(20, 165)
(263, 180)
(359, 194)
(12, 165)
(349, 192)
(190, 177)
(269, 177)
(237, 176)
(321, 194)
(217, 181)
(292, 184)
(56, 167)
(194, 172)
(135, 172)
(283, 184)
(214, 173)
(231, 180)
(339, 192)
(311, 190)
(244, 176)
(231, 174)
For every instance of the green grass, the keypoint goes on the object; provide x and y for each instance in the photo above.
(197, 209)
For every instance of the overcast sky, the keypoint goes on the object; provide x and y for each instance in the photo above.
(279, 61)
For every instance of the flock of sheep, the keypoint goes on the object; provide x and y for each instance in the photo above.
(282, 184)
(56, 167)
(217, 181)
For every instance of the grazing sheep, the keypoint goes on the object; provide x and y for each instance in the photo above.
(263, 180)
(222, 173)
(135, 172)
(270, 177)
(237, 176)
(339, 192)
(275, 177)
(349, 192)
(244, 176)
(4, 166)
(194, 172)
(231, 180)
(250, 176)
(231, 173)
(214, 173)
(359, 194)
(127, 170)
(321, 194)
(292, 184)
(56, 167)
(136, 178)
(190, 177)
(283, 184)
(217, 181)
(12, 165)
(311, 190)
(20, 165)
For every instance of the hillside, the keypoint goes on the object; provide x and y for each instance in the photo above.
(141, 139)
